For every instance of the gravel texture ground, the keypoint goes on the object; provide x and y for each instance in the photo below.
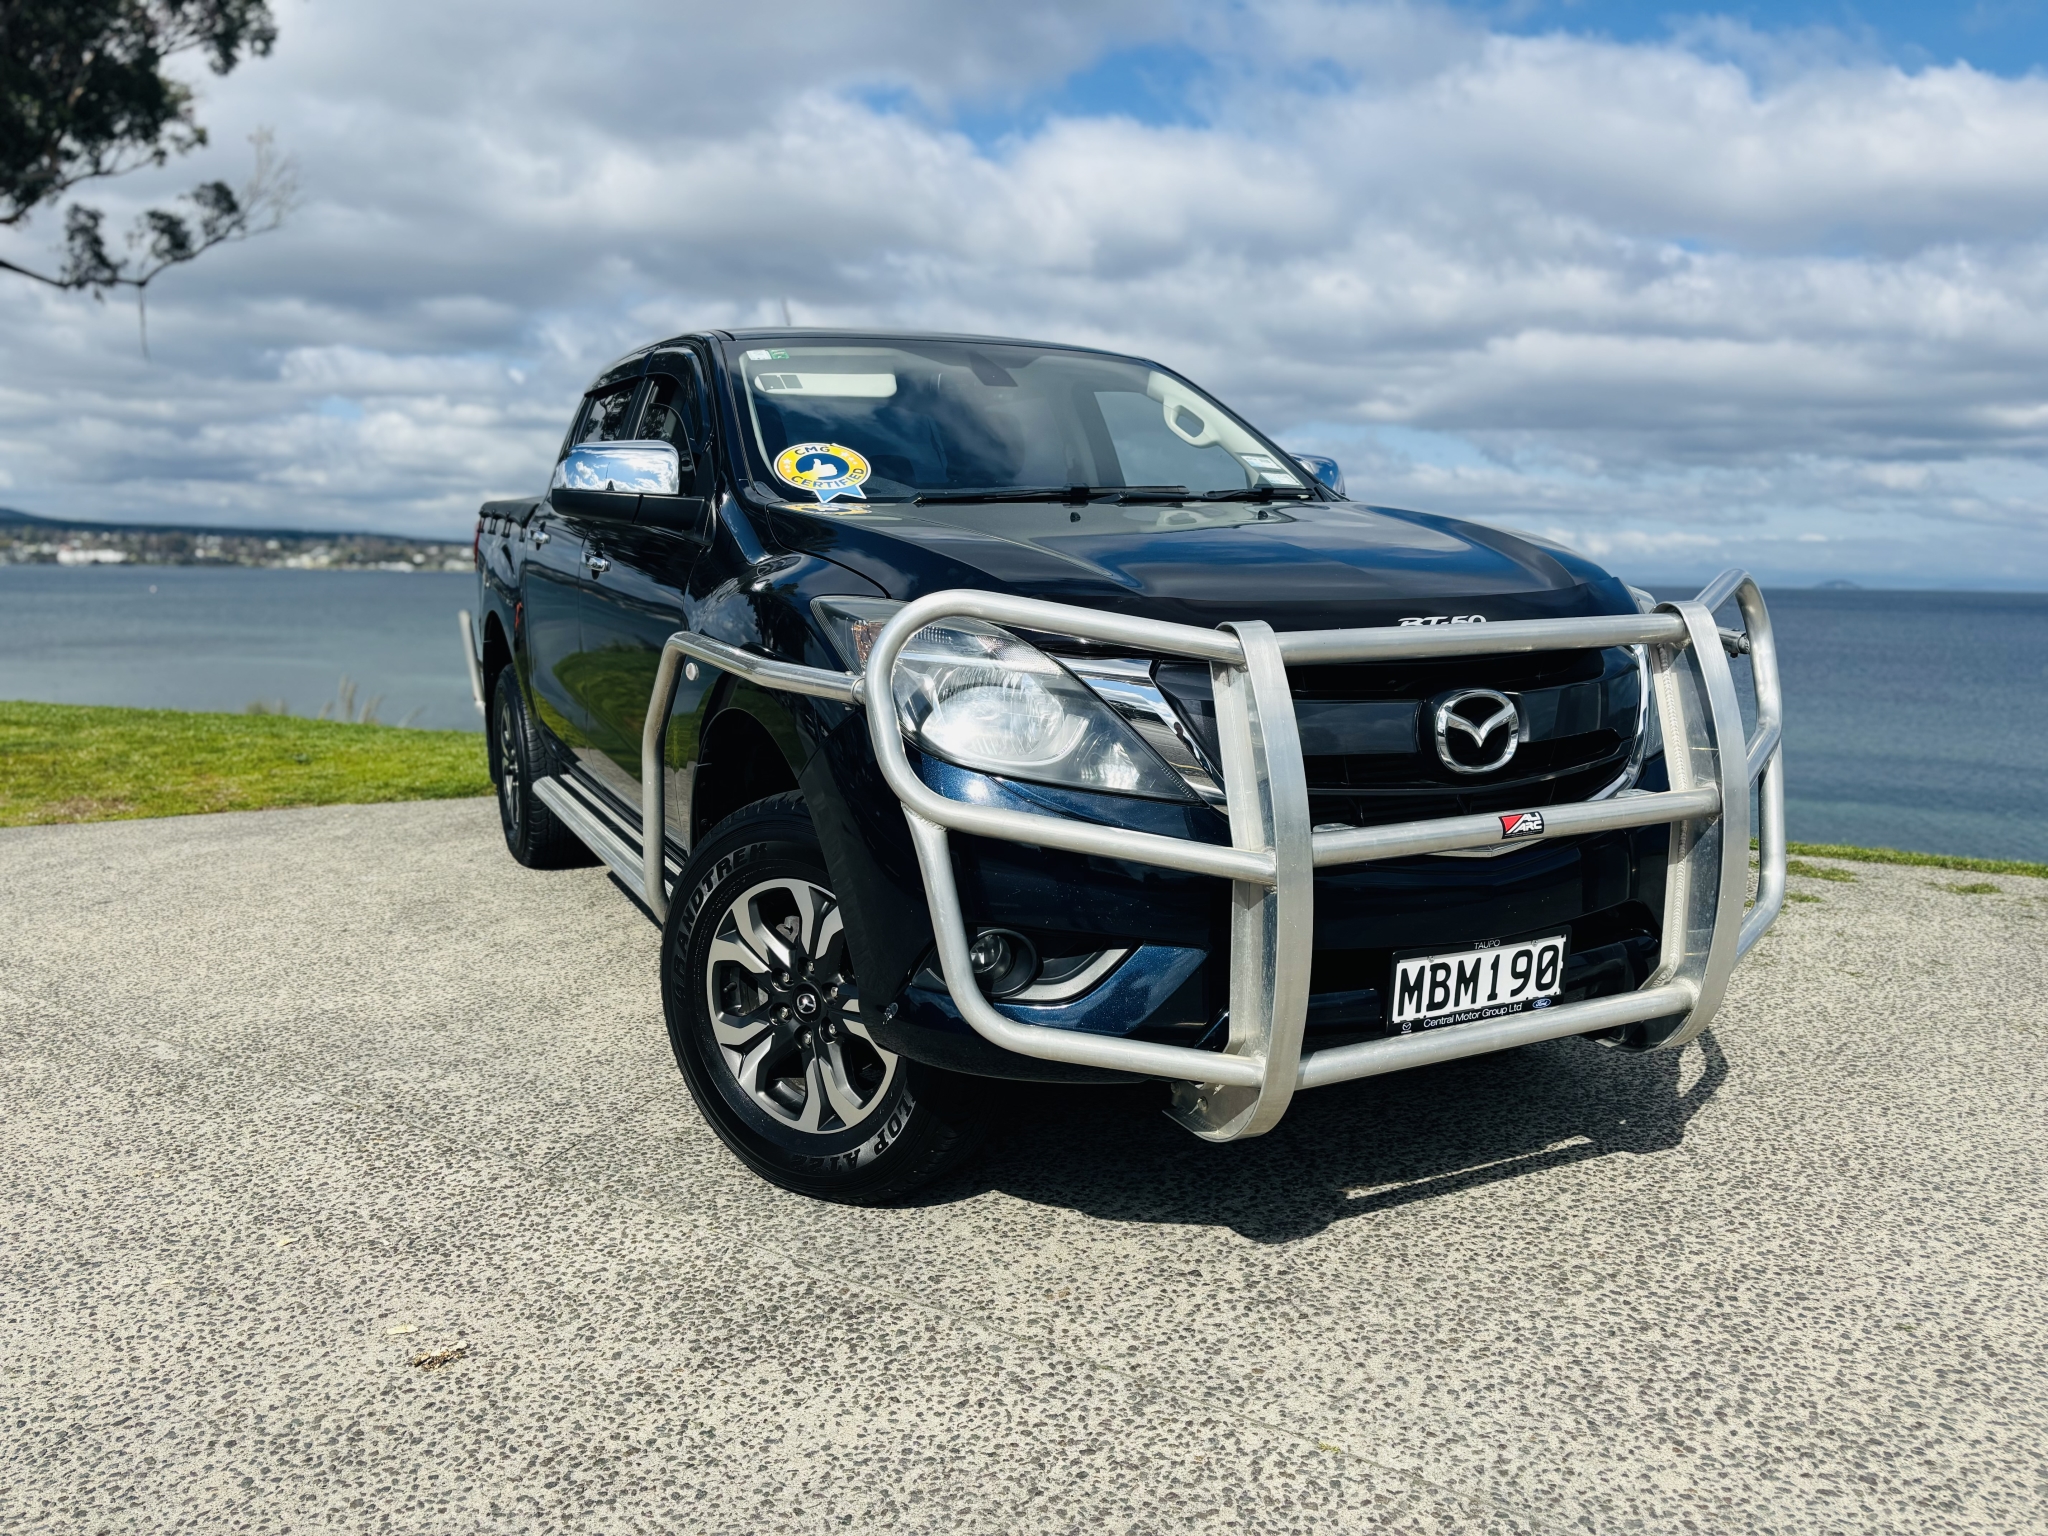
(349, 1185)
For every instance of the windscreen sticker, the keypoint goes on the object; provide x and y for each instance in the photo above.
(765, 354)
(825, 469)
(852, 386)
(1260, 460)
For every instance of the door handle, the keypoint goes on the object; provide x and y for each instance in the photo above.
(541, 535)
(595, 563)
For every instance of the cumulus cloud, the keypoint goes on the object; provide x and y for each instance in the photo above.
(1680, 302)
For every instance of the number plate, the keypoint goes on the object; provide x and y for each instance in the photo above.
(1487, 981)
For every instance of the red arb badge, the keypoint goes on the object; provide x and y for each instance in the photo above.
(1522, 824)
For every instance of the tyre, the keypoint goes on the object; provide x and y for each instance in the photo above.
(766, 1019)
(533, 833)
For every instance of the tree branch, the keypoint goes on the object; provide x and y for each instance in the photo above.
(54, 282)
(83, 95)
(161, 239)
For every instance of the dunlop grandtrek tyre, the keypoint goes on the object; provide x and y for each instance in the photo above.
(766, 1020)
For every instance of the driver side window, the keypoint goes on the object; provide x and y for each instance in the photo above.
(605, 416)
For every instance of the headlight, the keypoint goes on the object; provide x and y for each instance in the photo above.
(978, 696)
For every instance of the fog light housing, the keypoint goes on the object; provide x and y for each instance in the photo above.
(1004, 961)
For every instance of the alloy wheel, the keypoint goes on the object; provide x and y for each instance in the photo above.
(786, 1012)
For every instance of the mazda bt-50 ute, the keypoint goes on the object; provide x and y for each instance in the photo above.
(967, 708)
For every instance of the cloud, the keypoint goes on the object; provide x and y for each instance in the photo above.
(1692, 299)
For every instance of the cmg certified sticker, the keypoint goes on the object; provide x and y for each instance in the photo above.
(827, 470)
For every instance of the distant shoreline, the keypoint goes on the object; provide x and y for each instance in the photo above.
(39, 541)
(448, 566)
(14, 517)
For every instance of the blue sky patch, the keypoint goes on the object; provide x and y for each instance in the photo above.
(1161, 85)
(2004, 37)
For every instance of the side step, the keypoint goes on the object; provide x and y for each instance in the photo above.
(602, 831)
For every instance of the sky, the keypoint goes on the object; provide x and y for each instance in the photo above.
(1763, 285)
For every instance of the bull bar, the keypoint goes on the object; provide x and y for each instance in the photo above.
(1244, 1088)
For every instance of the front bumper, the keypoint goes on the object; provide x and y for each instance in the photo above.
(1242, 1084)
(1602, 890)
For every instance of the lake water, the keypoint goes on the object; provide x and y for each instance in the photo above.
(221, 638)
(1913, 719)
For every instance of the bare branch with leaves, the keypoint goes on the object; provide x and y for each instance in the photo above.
(162, 238)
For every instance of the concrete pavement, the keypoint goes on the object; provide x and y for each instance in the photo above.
(291, 1102)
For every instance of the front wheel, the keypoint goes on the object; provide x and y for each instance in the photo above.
(770, 1030)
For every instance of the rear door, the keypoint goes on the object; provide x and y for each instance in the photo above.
(636, 598)
(549, 593)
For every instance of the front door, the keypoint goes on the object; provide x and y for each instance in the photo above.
(636, 597)
(567, 675)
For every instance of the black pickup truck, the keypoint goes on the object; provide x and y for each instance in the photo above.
(972, 708)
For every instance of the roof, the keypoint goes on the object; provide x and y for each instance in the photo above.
(867, 333)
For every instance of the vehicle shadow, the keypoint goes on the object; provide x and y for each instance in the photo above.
(1344, 1151)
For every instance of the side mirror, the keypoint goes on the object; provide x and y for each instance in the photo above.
(1324, 469)
(626, 468)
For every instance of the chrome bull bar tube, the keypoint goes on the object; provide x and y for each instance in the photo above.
(1245, 1088)
(764, 670)
(1763, 757)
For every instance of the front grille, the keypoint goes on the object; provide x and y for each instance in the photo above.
(1368, 732)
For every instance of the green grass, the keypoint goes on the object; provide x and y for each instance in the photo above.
(71, 762)
(1818, 871)
(1923, 860)
(1975, 888)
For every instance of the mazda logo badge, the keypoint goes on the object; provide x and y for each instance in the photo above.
(1477, 730)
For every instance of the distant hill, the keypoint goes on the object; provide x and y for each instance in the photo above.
(1839, 584)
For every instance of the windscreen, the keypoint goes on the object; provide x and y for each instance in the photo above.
(848, 420)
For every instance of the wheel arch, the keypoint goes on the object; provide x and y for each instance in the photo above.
(497, 651)
(497, 656)
(749, 749)
(754, 745)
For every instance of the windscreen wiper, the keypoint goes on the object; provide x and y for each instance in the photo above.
(1008, 493)
(1259, 493)
(1146, 492)
(1075, 495)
